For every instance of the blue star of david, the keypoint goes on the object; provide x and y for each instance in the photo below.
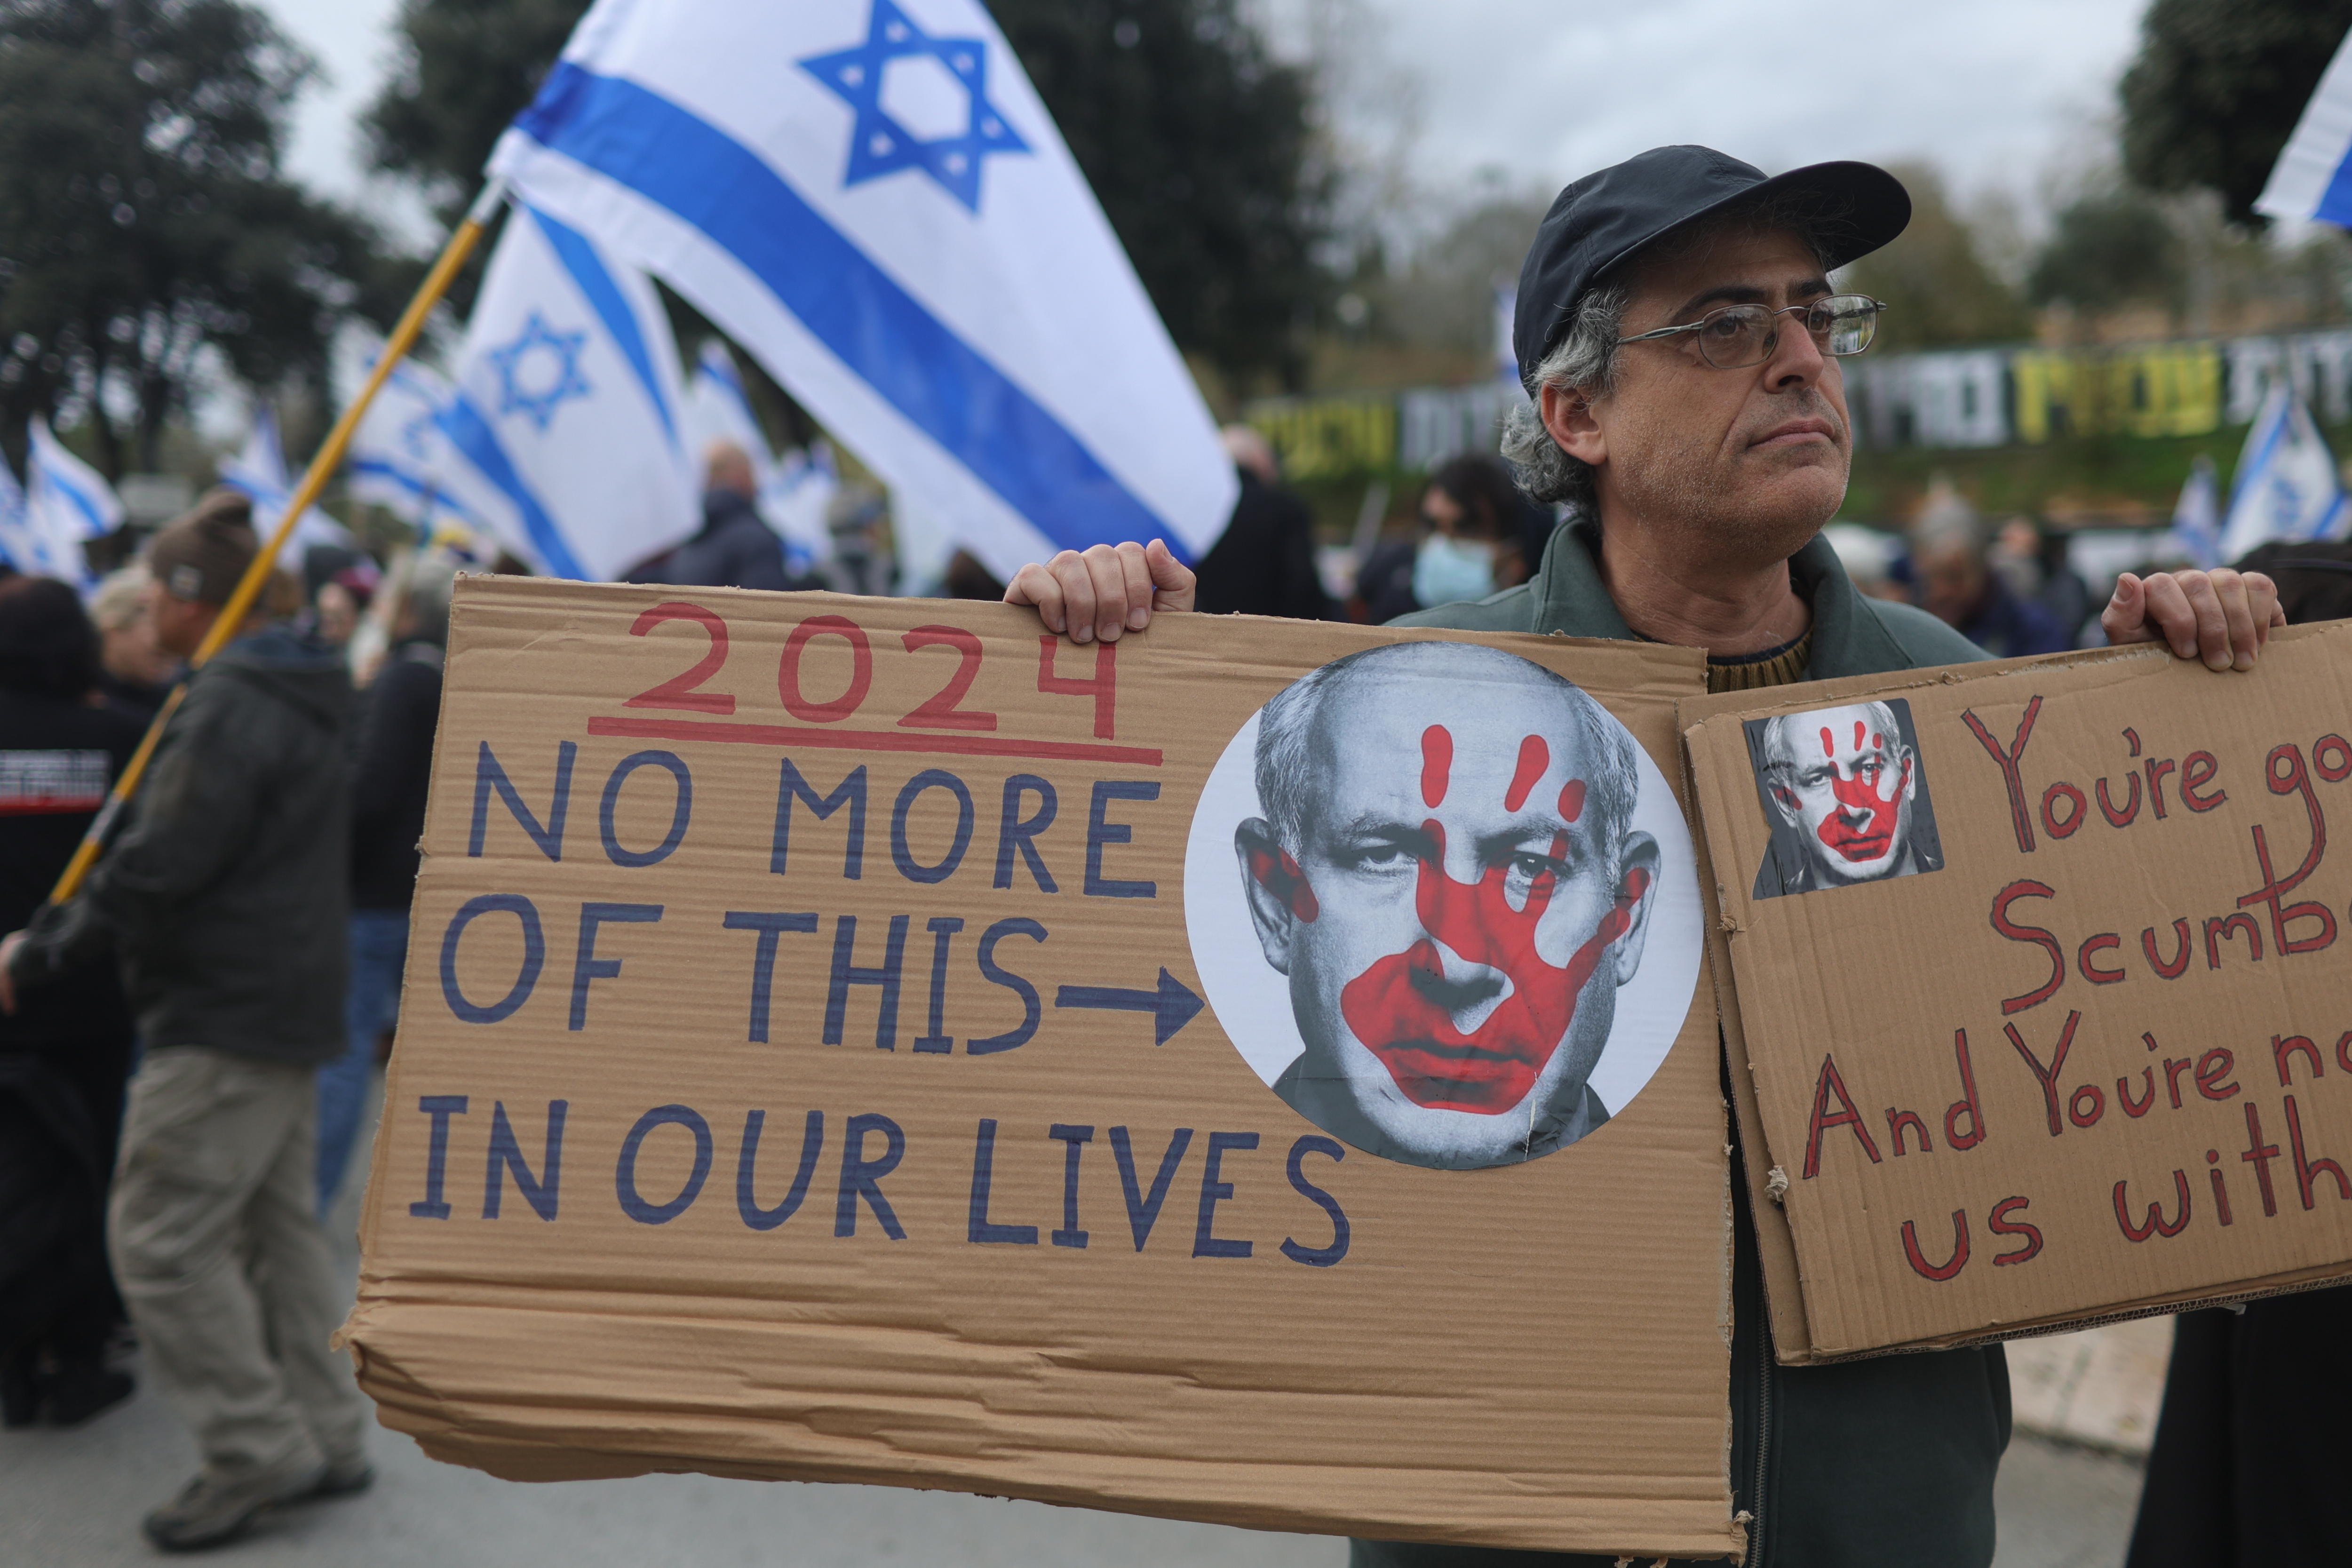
(417, 435)
(878, 144)
(540, 399)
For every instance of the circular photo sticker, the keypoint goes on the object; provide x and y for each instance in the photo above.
(1444, 905)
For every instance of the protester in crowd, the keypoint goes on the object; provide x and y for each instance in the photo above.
(1678, 330)
(226, 898)
(2032, 563)
(337, 608)
(1869, 558)
(1264, 563)
(2247, 1459)
(393, 772)
(1957, 585)
(862, 561)
(735, 548)
(967, 577)
(1473, 546)
(64, 1053)
(134, 672)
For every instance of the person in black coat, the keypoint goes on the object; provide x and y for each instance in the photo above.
(2247, 1451)
(1264, 563)
(735, 549)
(65, 1054)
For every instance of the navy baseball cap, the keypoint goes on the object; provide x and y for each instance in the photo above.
(1605, 218)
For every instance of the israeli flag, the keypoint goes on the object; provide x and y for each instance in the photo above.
(566, 408)
(794, 489)
(2197, 516)
(401, 460)
(259, 470)
(66, 504)
(2287, 485)
(2313, 177)
(868, 197)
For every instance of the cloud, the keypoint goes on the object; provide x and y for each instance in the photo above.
(1994, 90)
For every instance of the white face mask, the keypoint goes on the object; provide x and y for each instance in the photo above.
(1446, 569)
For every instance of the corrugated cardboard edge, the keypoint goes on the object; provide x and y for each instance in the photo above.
(1784, 1284)
(1783, 1291)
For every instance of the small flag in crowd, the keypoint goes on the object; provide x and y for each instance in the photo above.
(2287, 486)
(2313, 177)
(65, 504)
(259, 470)
(793, 490)
(567, 409)
(401, 460)
(870, 197)
(2197, 516)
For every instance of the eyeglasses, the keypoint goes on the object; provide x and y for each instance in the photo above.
(1734, 337)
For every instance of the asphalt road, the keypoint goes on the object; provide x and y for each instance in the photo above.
(72, 1499)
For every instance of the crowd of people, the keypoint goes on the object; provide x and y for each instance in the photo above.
(186, 1044)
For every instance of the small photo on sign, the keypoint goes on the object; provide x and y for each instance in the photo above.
(1845, 792)
(1444, 905)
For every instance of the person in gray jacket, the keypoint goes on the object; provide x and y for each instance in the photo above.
(226, 899)
(1679, 340)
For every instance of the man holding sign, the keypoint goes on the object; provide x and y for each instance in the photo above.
(1679, 336)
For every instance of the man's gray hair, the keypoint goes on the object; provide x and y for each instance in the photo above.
(1585, 358)
(1781, 741)
(1286, 783)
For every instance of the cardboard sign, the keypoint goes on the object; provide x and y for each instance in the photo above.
(2040, 985)
(1256, 1072)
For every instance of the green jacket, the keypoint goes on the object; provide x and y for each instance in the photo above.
(1859, 1464)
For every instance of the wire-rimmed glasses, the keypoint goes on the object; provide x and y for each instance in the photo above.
(1734, 337)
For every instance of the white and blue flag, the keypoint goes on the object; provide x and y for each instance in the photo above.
(567, 408)
(401, 460)
(2197, 516)
(2287, 486)
(2313, 177)
(259, 470)
(869, 195)
(794, 489)
(66, 504)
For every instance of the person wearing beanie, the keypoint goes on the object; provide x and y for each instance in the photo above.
(224, 901)
(1681, 341)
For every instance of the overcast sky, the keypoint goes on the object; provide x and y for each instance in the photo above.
(1996, 91)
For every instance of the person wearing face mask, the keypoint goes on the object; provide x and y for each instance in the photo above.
(1471, 549)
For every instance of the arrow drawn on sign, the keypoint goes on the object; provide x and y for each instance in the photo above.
(1171, 1006)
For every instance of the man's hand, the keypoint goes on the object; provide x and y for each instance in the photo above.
(1105, 590)
(2221, 616)
(10, 945)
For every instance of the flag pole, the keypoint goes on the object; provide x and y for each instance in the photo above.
(323, 463)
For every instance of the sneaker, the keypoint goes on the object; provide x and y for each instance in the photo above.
(209, 1512)
(345, 1477)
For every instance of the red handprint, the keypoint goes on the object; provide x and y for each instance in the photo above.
(1863, 828)
(1403, 1007)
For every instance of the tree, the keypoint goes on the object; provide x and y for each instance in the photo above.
(467, 68)
(1200, 148)
(1197, 143)
(2217, 88)
(142, 217)
(1934, 277)
(2110, 247)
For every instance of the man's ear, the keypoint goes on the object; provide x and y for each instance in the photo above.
(1780, 795)
(1272, 883)
(1637, 863)
(1908, 761)
(1568, 416)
